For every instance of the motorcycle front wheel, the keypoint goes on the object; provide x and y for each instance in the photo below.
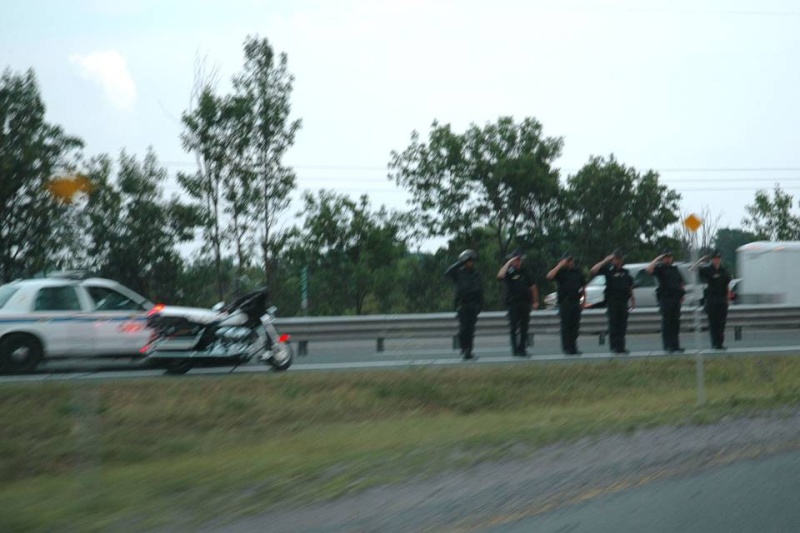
(282, 356)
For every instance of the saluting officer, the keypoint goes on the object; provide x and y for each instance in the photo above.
(469, 298)
(521, 294)
(670, 292)
(619, 297)
(715, 295)
(571, 282)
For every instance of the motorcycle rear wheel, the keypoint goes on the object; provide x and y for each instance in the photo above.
(178, 367)
(282, 356)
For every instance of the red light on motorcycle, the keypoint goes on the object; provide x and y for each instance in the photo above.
(156, 309)
(284, 338)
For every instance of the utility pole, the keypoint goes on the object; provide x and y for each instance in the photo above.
(693, 223)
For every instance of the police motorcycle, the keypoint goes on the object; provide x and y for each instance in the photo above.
(240, 332)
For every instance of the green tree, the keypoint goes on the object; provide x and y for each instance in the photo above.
(422, 287)
(771, 218)
(500, 176)
(611, 205)
(204, 135)
(352, 253)
(143, 237)
(91, 223)
(32, 151)
(265, 86)
(241, 185)
(199, 281)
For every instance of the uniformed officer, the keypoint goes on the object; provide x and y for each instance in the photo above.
(715, 295)
(619, 297)
(469, 298)
(521, 294)
(670, 292)
(570, 292)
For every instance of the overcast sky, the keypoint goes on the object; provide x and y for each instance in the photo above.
(703, 91)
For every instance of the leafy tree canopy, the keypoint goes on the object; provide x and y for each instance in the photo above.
(499, 176)
(771, 218)
(352, 252)
(32, 153)
(612, 205)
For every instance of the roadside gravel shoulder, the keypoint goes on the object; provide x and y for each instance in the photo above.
(557, 475)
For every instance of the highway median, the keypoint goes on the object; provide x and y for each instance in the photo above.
(133, 455)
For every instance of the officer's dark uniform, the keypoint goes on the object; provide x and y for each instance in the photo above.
(619, 283)
(519, 301)
(570, 284)
(716, 301)
(469, 302)
(670, 292)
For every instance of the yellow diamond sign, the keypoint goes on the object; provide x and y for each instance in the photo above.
(692, 222)
(66, 188)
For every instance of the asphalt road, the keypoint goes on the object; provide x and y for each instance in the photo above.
(403, 353)
(734, 475)
(760, 495)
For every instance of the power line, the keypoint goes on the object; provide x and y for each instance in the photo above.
(733, 12)
(373, 190)
(733, 189)
(667, 169)
(732, 169)
(766, 181)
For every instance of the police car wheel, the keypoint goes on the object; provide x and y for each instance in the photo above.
(20, 354)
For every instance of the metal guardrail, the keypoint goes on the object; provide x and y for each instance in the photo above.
(444, 325)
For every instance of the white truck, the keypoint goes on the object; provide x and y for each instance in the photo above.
(769, 272)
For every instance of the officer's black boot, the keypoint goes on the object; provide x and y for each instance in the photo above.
(468, 351)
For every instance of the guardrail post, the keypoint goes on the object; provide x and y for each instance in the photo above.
(380, 344)
(602, 338)
(737, 333)
(302, 348)
(456, 343)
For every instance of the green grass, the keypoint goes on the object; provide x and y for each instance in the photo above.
(129, 455)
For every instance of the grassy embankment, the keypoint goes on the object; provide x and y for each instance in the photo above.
(141, 453)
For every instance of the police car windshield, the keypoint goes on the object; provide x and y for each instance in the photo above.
(6, 292)
(597, 280)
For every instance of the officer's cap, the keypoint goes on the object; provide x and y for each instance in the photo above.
(618, 253)
(517, 252)
(467, 255)
(667, 253)
(716, 253)
(567, 255)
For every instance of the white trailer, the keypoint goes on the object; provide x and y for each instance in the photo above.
(770, 272)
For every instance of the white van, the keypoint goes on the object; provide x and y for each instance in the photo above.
(768, 272)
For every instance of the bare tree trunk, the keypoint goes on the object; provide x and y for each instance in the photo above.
(267, 262)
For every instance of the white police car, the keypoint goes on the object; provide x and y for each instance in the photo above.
(61, 316)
